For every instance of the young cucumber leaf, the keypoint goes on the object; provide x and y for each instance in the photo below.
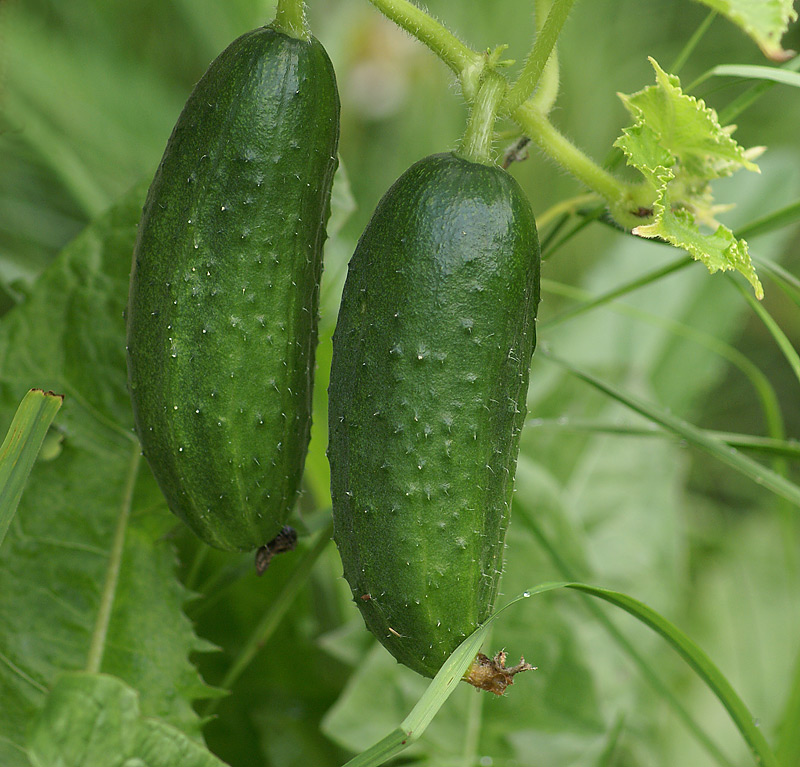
(93, 719)
(678, 145)
(20, 448)
(764, 21)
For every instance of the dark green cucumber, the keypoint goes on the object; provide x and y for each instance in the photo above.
(222, 312)
(427, 399)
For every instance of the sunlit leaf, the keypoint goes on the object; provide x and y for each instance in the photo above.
(765, 21)
(94, 719)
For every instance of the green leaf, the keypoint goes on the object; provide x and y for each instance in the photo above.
(679, 146)
(95, 719)
(764, 21)
(69, 336)
(684, 129)
(20, 448)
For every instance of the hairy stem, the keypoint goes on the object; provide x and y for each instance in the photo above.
(529, 78)
(98, 642)
(291, 19)
(476, 144)
(465, 62)
(623, 199)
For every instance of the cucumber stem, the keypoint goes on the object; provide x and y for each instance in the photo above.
(290, 18)
(459, 57)
(476, 144)
(624, 199)
(542, 48)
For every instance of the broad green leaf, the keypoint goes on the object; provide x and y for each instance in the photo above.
(20, 448)
(91, 720)
(679, 146)
(720, 251)
(763, 20)
(69, 336)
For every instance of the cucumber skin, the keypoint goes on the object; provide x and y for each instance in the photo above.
(431, 355)
(224, 294)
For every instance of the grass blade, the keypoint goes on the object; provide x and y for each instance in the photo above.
(645, 668)
(786, 281)
(454, 668)
(750, 96)
(784, 344)
(784, 448)
(761, 475)
(786, 216)
(439, 690)
(698, 661)
(751, 72)
(21, 447)
(789, 738)
(450, 674)
(692, 43)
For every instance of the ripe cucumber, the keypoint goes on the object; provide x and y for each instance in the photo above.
(427, 399)
(222, 312)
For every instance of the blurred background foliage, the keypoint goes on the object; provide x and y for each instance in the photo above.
(89, 91)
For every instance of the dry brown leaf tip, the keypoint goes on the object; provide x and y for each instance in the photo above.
(492, 674)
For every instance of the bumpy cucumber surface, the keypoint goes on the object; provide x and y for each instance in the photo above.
(427, 399)
(222, 312)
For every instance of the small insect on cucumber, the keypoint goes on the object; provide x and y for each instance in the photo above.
(426, 403)
(224, 293)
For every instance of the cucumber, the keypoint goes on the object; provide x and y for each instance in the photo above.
(224, 292)
(427, 399)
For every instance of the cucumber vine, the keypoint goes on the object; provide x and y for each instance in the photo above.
(290, 18)
(672, 200)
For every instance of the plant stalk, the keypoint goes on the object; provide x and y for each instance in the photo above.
(465, 62)
(290, 19)
(529, 78)
(476, 144)
(622, 198)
